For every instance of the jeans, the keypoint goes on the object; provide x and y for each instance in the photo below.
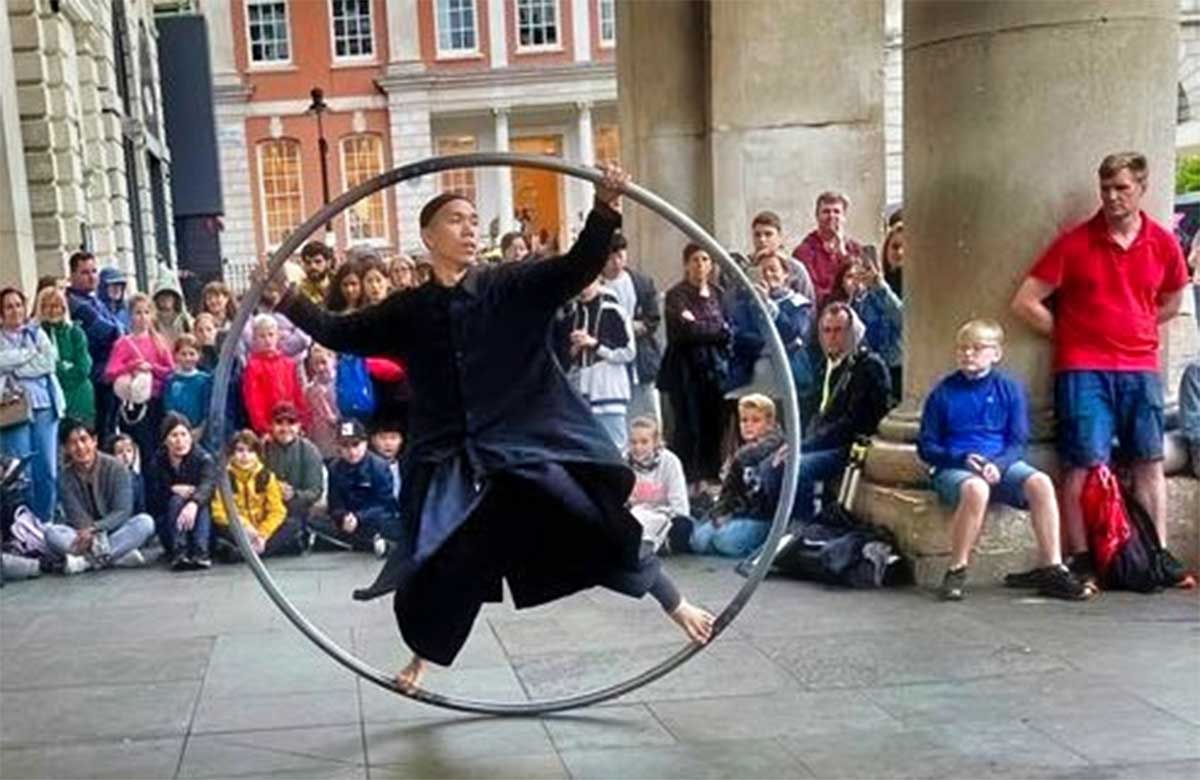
(38, 438)
(177, 542)
(736, 538)
(816, 466)
(615, 426)
(124, 539)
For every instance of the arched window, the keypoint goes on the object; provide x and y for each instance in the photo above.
(362, 159)
(281, 188)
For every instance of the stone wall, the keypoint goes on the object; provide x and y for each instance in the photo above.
(73, 127)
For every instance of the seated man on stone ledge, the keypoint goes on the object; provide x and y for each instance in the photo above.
(852, 391)
(973, 433)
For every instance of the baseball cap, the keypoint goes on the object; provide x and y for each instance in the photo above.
(285, 410)
(350, 431)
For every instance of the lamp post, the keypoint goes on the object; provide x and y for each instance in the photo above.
(319, 107)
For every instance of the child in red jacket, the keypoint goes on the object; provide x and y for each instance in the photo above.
(270, 376)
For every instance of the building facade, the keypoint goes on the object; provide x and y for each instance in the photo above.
(85, 162)
(402, 80)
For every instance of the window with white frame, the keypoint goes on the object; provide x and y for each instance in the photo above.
(267, 31)
(352, 29)
(537, 24)
(456, 27)
(362, 159)
(608, 22)
(281, 187)
(460, 180)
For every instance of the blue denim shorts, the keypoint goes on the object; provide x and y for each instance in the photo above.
(1010, 490)
(1093, 407)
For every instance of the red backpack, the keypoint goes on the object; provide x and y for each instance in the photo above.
(1122, 538)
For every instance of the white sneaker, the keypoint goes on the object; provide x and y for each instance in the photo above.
(381, 547)
(76, 564)
(131, 560)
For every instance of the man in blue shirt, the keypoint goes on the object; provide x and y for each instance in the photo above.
(102, 328)
(973, 433)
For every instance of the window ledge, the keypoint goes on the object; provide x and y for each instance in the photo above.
(347, 63)
(454, 56)
(538, 49)
(261, 67)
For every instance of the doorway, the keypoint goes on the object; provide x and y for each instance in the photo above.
(537, 194)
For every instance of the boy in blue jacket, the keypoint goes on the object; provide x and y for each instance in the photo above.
(973, 433)
(363, 513)
(189, 388)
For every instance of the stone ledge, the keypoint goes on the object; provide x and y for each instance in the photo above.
(922, 528)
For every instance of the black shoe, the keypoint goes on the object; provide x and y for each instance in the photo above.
(202, 562)
(953, 584)
(679, 537)
(181, 562)
(1082, 565)
(1058, 582)
(226, 551)
(1024, 579)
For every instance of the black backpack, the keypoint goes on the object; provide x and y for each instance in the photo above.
(1142, 564)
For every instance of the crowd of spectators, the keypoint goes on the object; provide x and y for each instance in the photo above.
(121, 442)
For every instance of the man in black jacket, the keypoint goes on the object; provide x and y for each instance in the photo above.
(853, 389)
(509, 476)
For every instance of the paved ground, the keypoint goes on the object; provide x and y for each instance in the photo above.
(147, 674)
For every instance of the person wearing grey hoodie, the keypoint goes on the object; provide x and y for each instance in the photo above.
(170, 314)
(853, 387)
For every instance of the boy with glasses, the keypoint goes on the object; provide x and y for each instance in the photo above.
(973, 433)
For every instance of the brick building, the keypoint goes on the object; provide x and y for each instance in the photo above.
(402, 80)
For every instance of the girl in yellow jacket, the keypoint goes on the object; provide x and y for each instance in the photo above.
(259, 501)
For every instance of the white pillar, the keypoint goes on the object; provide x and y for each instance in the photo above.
(504, 193)
(581, 29)
(412, 139)
(499, 41)
(579, 199)
(219, 19)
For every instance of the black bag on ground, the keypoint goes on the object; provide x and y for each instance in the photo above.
(1142, 564)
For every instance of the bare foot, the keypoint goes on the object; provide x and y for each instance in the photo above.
(697, 623)
(409, 678)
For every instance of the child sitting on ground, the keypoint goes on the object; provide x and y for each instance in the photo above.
(259, 501)
(124, 448)
(659, 499)
(363, 513)
(270, 376)
(741, 518)
(189, 389)
(973, 434)
(386, 442)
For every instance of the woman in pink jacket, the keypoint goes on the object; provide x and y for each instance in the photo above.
(139, 367)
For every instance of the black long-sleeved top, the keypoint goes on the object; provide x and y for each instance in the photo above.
(197, 468)
(488, 397)
(858, 400)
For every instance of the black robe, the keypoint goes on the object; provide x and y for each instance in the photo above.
(508, 474)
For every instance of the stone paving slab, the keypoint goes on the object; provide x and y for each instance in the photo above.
(149, 674)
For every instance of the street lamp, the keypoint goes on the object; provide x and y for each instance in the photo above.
(319, 107)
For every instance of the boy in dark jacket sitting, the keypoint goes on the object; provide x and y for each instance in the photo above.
(363, 513)
(741, 518)
(973, 433)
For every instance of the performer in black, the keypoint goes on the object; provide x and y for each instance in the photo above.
(508, 476)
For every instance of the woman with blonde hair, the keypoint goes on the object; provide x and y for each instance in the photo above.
(74, 366)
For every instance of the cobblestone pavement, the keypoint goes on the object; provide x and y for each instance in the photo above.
(150, 674)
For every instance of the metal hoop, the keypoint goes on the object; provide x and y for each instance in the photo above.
(647, 199)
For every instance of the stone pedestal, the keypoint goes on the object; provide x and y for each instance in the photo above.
(1008, 110)
(731, 108)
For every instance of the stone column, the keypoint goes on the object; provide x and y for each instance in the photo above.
(579, 192)
(496, 33)
(404, 42)
(503, 174)
(16, 228)
(581, 30)
(1008, 110)
(731, 108)
(412, 139)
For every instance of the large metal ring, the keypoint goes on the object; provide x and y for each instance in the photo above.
(642, 196)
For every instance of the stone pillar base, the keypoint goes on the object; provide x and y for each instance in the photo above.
(895, 495)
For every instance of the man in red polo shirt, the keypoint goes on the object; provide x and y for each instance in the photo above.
(1115, 279)
(826, 250)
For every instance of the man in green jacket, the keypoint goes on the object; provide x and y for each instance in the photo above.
(295, 462)
(96, 492)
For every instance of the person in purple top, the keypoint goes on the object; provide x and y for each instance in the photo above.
(973, 433)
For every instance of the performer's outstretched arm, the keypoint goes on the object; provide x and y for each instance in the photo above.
(375, 330)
